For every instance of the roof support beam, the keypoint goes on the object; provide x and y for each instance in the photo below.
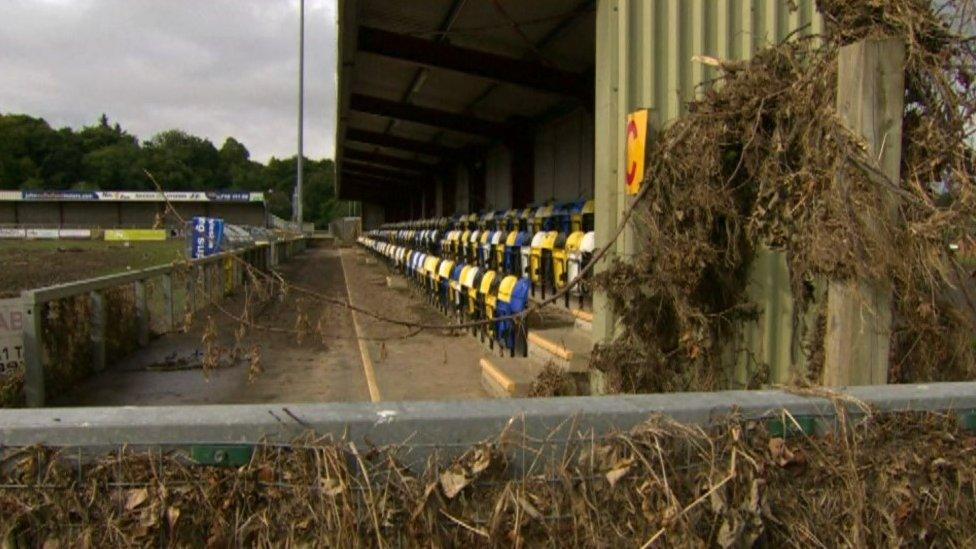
(386, 160)
(385, 171)
(417, 82)
(377, 181)
(428, 116)
(402, 143)
(357, 190)
(471, 61)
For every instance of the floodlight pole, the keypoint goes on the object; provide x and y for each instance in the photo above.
(296, 207)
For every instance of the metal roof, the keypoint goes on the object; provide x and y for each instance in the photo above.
(427, 82)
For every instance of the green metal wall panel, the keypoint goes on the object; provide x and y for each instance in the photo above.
(644, 55)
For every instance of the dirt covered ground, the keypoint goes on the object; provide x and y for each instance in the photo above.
(38, 263)
(430, 365)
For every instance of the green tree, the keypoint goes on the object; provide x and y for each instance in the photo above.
(102, 135)
(104, 156)
(115, 167)
(180, 161)
(30, 149)
(242, 172)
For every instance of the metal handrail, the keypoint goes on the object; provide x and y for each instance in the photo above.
(452, 427)
(70, 289)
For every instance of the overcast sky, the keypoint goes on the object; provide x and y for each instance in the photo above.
(214, 68)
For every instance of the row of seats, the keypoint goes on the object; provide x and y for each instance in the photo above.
(483, 267)
(548, 245)
(466, 292)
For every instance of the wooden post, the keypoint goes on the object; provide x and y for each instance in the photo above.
(192, 290)
(33, 352)
(98, 331)
(870, 100)
(169, 316)
(213, 282)
(142, 313)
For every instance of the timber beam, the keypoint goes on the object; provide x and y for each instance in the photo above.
(402, 143)
(386, 180)
(380, 171)
(474, 62)
(428, 116)
(387, 160)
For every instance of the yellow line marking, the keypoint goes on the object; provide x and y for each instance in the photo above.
(374, 389)
(583, 315)
(552, 347)
(507, 384)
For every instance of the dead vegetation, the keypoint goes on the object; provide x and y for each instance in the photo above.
(763, 161)
(901, 479)
(67, 341)
(553, 382)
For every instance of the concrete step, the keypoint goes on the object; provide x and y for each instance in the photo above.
(563, 346)
(573, 314)
(583, 319)
(504, 377)
(322, 241)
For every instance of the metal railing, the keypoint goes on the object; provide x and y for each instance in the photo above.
(450, 428)
(207, 280)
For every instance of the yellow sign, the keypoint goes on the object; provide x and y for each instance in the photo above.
(636, 149)
(119, 235)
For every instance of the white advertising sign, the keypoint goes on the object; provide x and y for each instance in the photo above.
(8, 232)
(11, 337)
(82, 234)
(42, 234)
(139, 196)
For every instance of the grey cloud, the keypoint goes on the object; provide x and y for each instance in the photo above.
(212, 67)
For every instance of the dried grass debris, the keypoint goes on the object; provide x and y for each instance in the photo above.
(889, 479)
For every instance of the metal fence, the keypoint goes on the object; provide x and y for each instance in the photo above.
(79, 327)
(403, 474)
(543, 425)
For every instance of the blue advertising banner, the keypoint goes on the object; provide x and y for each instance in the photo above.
(132, 196)
(206, 235)
(229, 196)
(60, 195)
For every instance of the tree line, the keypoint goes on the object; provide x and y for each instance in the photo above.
(103, 156)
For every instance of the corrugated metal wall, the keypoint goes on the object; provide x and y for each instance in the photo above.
(461, 191)
(439, 198)
(562, 164)
(644, 51)
(373, 216)
(498, 178)
(564, 159)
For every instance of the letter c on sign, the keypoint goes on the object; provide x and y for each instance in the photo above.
(631, 135)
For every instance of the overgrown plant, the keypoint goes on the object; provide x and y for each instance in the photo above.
(763, 160)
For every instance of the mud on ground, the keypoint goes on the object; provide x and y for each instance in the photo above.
(39, 263)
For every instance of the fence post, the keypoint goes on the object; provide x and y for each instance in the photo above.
(208, 274)
(33, 352)
(870, 100)
(98, 330)
(200, 279)
(216, 281)
(168, 313)
(142, 313)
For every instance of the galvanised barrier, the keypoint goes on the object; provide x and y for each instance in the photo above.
(546, 425)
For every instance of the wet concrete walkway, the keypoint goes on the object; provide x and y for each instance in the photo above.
(328, 365)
